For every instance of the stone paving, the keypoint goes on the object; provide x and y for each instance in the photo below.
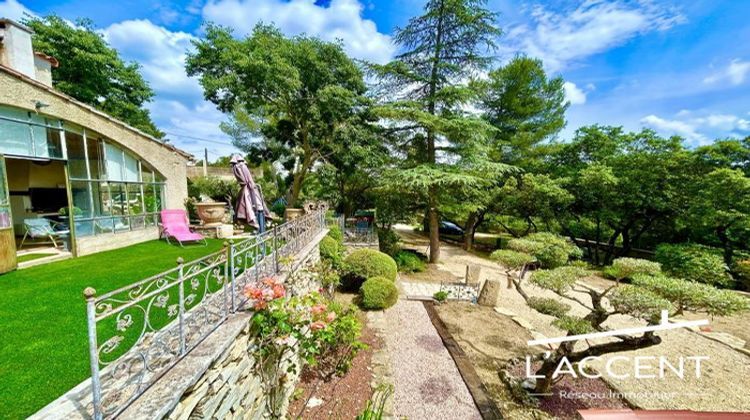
(427, 383)
(421, 291)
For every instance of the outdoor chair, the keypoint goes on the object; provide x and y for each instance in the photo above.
(174, 224)
(41, 228)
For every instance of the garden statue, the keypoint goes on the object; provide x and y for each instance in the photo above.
(251, 206)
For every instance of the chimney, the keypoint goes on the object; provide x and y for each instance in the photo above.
(16, 51)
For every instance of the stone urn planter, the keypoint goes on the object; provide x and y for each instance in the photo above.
(293, 213)
(211, 214)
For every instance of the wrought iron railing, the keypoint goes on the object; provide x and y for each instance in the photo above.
(138, 332)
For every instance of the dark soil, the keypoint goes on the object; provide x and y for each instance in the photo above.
(343, 397)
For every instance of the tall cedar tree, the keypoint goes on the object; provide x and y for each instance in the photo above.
(93, 72)
(428, 83)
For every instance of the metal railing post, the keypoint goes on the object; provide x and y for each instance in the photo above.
(181, 305)
(227, 265)
(96, 388)
(232, 273)
(275, 250)
(257, 258)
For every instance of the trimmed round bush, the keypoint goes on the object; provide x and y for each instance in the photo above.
(365, 263)
(549, 249)
(409, 262)
(694, 262)
(331, 251)
(378, 293)
(512, 260)
(389, 241)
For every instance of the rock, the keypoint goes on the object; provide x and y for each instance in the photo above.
(314, 402)
(529, 384)
(503, 311)
(490, 293)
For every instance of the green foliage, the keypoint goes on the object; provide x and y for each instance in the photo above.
(573, 324)
(549, 249)
(92, 71)
(337, 235)
(290, 98)
(215, 188)
(331, 251)
(378, 293)
(512, 260)
(409, 262)
(694, 262)
(328, 276)
(389, 241)
(530, 197)
(692, 296)
(375, 407)
(278, 208)
(365, 263)
(638, 302)
(626, 268)
(560, 280)
(548, 306)
(742, 269)
(440, 296)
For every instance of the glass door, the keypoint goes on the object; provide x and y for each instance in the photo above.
(7, 238)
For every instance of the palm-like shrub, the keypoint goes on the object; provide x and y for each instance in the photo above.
(626, 268)
(336, 233)
(365, 263)
(378, 293)
(409, 262)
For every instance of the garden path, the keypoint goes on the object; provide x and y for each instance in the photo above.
(427, 384)
(725, 377)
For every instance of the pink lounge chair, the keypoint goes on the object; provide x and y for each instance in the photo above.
(174, 223)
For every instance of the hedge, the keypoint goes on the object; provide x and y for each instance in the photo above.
(365, 263)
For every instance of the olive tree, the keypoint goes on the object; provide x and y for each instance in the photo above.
(645, 299)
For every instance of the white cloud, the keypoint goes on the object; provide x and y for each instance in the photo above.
(342, 19)
(160, 52)
(560, 38)
(735, 73)
(670, 127)
(574, 94)
(698, 130)
(12, 9)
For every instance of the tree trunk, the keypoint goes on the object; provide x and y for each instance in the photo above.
(726, 244)
(475, 219)
(434, 228)
(299, 179)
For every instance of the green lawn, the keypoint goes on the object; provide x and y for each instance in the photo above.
(43, 341)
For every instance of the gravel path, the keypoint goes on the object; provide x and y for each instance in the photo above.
(427, 382)
(725, 379)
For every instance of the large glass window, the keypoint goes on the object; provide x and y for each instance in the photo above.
(76, 155)
(24, 133)
(4, 204)
(116, 192)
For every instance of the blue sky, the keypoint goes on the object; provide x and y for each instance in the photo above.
(677, 67)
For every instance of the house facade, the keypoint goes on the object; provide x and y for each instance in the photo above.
(64, 161)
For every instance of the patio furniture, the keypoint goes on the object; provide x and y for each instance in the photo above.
(174, 223)
(37, 228)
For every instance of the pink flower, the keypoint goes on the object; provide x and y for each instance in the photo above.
(318, 309)
(331, 316)
(259, 305)
(278, 291)
(317, 325)
(252, 292)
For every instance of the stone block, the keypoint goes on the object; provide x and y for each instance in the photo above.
(490, 293)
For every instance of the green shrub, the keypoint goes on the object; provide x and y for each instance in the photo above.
(331, 251)
(626, 268)
(742, 271)
(694, 262)
(389, 241)
(336, 234)
(690, 295)
(409, 262)
(378, 293)
(548, 306)
(512, 260)
(365, 263)
(440, 296)
(549, 249)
